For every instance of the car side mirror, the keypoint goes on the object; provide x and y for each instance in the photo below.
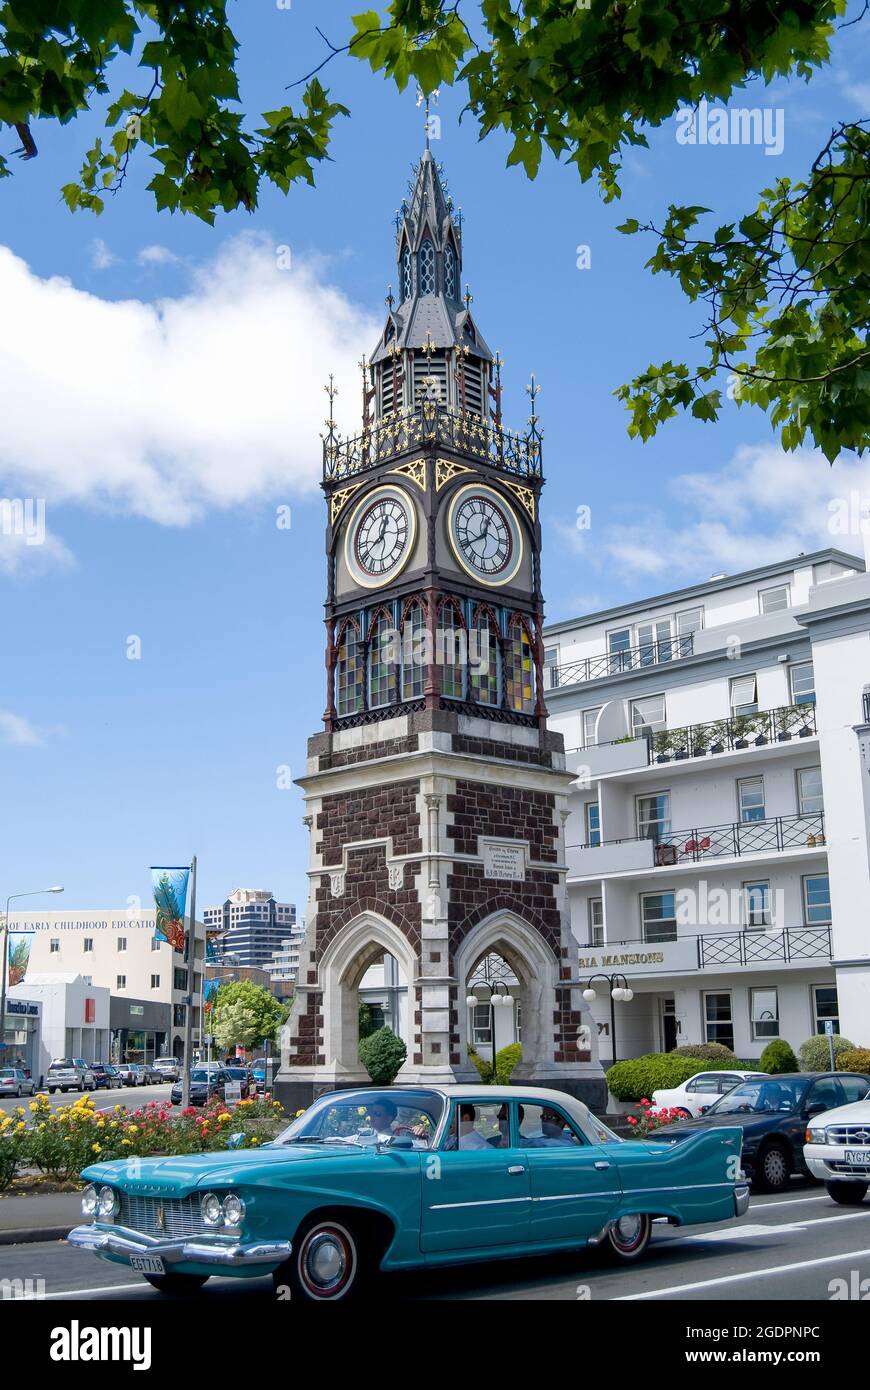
(235, 1141)
(400, 1141)
(817, 1108)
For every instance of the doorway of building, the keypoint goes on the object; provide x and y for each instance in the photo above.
(669, 1023)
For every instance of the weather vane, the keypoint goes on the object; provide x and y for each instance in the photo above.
(432, 123)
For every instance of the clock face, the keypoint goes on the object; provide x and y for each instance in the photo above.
(485, 534)
(380, 536)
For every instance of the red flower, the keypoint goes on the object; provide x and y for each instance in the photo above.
(632, 1120)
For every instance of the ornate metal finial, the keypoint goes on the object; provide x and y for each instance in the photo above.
(423, 99)
(397, 217)
(498, 363)
(390, 299)
(534, 435)
(458, 219)
(468, 297)
(330, 439)
(429, 346)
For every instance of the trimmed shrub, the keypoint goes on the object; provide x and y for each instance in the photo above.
(505, 1061)
(483, 1067)
(815, 1054)
(382, 1054)
(854, 1059)
(657, 1071)
(706, 1052)
(778, 1058)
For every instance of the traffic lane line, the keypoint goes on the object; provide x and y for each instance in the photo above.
(750, 1231)
(792, 1266)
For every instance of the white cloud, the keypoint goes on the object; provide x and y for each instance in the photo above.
(101, 255)
(213, 398)
(18, 556)
(14, 728)
(157, 255)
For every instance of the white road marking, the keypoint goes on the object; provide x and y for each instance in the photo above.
(100, 1288)
(747, 1274)
(784, 1228)
(788, 1202)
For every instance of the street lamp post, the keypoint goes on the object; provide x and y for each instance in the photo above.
(499, 997)
(619, 993)
(34, 893)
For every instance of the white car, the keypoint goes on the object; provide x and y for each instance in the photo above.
(69, 1074)
(837, 1151)
(700, 1091)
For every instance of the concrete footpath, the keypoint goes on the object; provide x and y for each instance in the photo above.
(38, 1216)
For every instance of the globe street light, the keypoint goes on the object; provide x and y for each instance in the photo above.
(620, 993)
(34, 893)
(499, 997)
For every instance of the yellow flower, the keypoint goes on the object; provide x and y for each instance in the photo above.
(128, 1142)
(114, 1124)
(223, 1117)
(255, 1140)
(132, 1129)
(19, 1110)
(96, 1148)
(41, 1126)
(101, 1124)
(20, 1126)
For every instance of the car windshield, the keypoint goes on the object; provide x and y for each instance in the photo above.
(762, 1097)
(238, 1073)
(368, 1117)
(200, 1076)
(61, 1062)
(7, 1072)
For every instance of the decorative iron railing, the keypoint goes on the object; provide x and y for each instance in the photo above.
(614, 663)
(779, 725)
(764, 946)
(430, 423)
(731, 840)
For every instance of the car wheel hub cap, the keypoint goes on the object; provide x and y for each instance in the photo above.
(775, 1167)
(628, 1229)
(326, 1262)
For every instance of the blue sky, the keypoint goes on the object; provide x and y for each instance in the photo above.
(161, 391)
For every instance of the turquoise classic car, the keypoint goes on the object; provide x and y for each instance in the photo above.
(402, 1178)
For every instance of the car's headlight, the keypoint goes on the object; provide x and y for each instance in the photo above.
(817, 1136)
(212, 1210)
(234, 1210)
(89, 1200)
(107, 1202)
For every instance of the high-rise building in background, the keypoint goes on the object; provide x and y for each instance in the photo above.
(249, 927)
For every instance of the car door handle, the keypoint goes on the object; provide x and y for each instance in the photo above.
(601, 1165)
(515, 1170)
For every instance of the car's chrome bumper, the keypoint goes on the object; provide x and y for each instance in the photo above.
(741, 1199)
(121, 1242)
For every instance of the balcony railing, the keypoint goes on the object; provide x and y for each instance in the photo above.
(764, 946)
(779, 725)
(430, 423)
(615, 663)
(731, 840)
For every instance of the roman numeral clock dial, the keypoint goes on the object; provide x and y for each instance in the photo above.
(485, 534)
(380, 536)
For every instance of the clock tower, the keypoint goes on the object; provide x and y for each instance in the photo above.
(436, 797)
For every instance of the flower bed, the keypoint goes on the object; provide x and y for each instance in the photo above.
(648, 1119)
(59, 1143)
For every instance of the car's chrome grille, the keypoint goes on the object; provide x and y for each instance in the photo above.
(862, 1169)
(161, 1216)
(853, 1135)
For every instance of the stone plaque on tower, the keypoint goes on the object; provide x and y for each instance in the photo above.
(436, 797)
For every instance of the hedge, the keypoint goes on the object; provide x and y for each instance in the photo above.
(778, 1058)
(815, 1054)
(657, 1071)
(707, 1052)
(854, 1059)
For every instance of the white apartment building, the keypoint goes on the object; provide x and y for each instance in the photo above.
(718, 831)
(284, 965)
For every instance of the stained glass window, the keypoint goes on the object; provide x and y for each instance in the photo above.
(450, 273)
(406, 274)
(413, 652)
(382, 661)
(427, 268)
(452, 652)
(483, 658)
(349, 671)
(519, 668)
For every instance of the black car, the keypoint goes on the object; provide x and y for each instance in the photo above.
(773, 1112)
(204, 1086)
(105, 1076)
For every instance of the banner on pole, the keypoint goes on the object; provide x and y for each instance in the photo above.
(170, 897)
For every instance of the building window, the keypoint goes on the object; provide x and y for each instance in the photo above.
(825, 1007)
(690, 621)
(773, 600)
(744, 695)
(764, 1013)
(756, 904)
(519, 668)
(155, 944)
(349, 671)
(382, 670)
(454, 652)
(718, 1024)
(450, 273)
(481, 1021)
(54, 946)
(593, 823)
(155, 981)
(809, 791)
(551, 668)
(817, 900)
(122, 943)
(596, 921)
(413, 651)
(802, 680)
(407, 286)
(88, 944)
(590, 726)
(750, 799)
(647, 715)
(654, 817)
(180, 978)
(178, 1014)
(484, 674)
(121, 982)
(654, 642)
(658, 915)
(619, 649)
(427, 268)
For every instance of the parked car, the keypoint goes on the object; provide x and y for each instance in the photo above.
(773, 1114)
(131, 1074)
(69, 1074)
(14, 1082)
(205, 1083)
(700, 1091)
(520, 1171)
(105, 1075)
(152, 1074)
(168, 1068)
(243, 1075)
(837, 1151)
